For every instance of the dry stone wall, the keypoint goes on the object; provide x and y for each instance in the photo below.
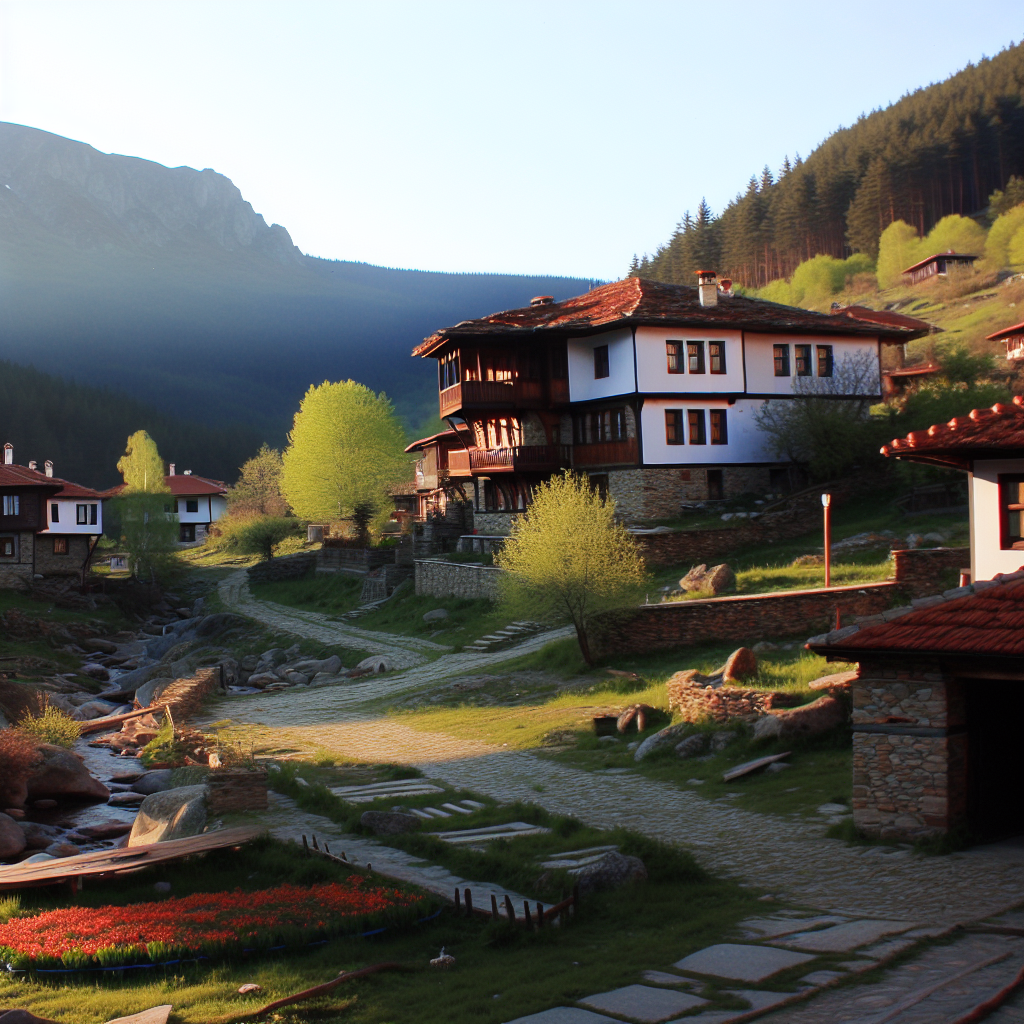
(436, 577)
(17, 573)
(69, 564)
(236, 790)
(696, 701)
(926, 571)
(291, 567)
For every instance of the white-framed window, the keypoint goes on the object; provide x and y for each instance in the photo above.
(12, 505)
(54, 512)
(8, 547)
(191, 504)
(86, 515)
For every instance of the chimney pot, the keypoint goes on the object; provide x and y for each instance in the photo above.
(187, 472)
(542, 300)
(31, 463)
(8, 454)
(171, 469)
(48, 466)
(707, 288)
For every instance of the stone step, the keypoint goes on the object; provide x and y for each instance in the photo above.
(490, 832)
(456, 808)
(475, 804)
(434, 812)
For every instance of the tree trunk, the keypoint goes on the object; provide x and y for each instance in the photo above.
(581, 637)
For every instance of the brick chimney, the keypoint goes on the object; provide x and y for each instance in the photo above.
(48, 466)
(707, 287)
(170, 470)
(8, 454)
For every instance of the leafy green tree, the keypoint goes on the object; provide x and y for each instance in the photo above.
(1001, 236)
(898, 248)
(1002, 201)
(961, 234)
(141, 465)
(261, 534)
(148, 533)
(346, 448)
(258, 490)
(568, 558)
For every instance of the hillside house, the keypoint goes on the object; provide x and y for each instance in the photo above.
(649, 388)
(48, 526)
(938, 265)
(1013, 339)
(938, 704)
(197, 501)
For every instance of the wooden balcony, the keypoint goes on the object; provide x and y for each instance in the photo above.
(606, 453)
(497, 394)
(537, 458)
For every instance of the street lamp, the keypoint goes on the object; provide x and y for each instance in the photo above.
(826, 501)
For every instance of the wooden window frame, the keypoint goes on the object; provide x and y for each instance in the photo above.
(60, 545)
(1007, 540)
(719, 426)
(673, 350)
(81, 515)
(695, 357)
(803, 354)
(697, 426)
(826, 360)
(716, 351)
(189, 502)
(602, 362)
(12, 543)
(780, 357)
(12, 504)
(674, 429)
(54, 512)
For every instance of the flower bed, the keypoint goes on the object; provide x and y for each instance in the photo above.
(203, 924)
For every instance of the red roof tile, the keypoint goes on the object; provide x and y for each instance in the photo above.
(1006, 332)
(22, 476)
(444, 436)
(886, 317)
(992, 433)
(939, 256)
(634, 301)
(180, 485)
(987, 620)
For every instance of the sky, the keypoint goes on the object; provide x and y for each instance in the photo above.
(554, 137)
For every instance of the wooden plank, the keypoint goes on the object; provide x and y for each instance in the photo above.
(106, 861)
(99, 724)
(752, 766)
(154, 1015)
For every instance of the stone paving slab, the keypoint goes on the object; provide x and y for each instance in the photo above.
(818, 978)
(843, 938)
(776, 927)
(664, 978)
(564, 1015)
(760, 1000)
(643, 1003)
(741, 963)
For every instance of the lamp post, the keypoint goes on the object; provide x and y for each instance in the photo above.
(826, 501)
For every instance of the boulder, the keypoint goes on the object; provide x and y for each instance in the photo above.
(38, 858)
(835, 681)
(219, 622)
(105, 830)
(61, 849)
(611, 871)
(95, 671)
(261, 679)
(12, 838)
(311, 666)
(376, 663)
(715, 580)
(61, 775)
(692, 746)
(274, 657)
(153, 782)
(742, 664)
(661, 740)
(38, 836)
(326, 679)
(248, 663)
(139, 731)
(173, 814)
(14, 812)
(149, 692)
(96, 644)
(94, 709)
(23, 1016)
(126, 800)
(295, 678)
(817, 717)
(389, 823)
(437, 615)
(720, 740)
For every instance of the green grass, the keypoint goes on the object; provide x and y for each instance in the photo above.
(328, 592)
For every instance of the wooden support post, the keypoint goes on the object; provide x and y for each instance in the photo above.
(509, 910)
(458, 905)
(469, 903)
(494, 906)
(327, 849)
(315, 847)
(526, 912)
(305, 846)
(540, 915)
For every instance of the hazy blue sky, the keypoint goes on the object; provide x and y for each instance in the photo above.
(524, 137)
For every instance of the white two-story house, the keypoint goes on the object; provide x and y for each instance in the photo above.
(197, 501)
(650, 388)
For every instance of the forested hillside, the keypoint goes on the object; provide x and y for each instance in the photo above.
(941, 150)
(83, 430)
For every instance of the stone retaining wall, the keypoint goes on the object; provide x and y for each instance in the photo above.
(236, 790)
(926, 571)
(354, 559)
(185, 696)
(736, 620)
(438, 578)
(695, 701)
(290, 567)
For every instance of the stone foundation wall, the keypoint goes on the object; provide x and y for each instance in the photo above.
(655, 492)
(49, 564)
(926, 571)
(352, 559)
(738, 620)
(739, 480)
(234, 790)
(697, 702)
(438, 578)
(291, 567)
(494, 524)
(909, 750)
(16, 573)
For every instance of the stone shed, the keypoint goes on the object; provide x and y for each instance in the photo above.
(938, 713)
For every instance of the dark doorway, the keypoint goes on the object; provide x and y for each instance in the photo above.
(716, 486)
(995, 757)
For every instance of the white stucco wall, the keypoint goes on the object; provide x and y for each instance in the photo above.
(987, 556)
(761, 379)
(67, 516)
(652, 361)
(620, 380)
(211, 508)
(745, 442)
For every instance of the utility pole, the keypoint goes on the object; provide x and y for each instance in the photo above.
(826, 501)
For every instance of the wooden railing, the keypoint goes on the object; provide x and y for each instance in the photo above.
(536, 457)
(605, 453)
(507, 393)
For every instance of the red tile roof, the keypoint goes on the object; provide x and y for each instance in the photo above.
(444, 435)
(634, 301)
(913, 371)
(22, 476)
(886, 317)
(983, 433)
(986, 619)
(1006, 332)
(181, 485)
(939, 256)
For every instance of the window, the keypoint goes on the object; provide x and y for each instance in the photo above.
(54, 513)
(560, 363)
(11, 505)
(803, 361)
(1011, 501)
(600, 362)
(716, 486)
(781, 360)
(599, 484)
(674, 426)
(191, 504)
(719, 428)
(7, 547)
(824, 360)
(448, 370)
(697, 433)
(695, 356)
(672, 350)
(86, 515)
(716, 356)
(187, 533)
(60, 545)
(595, 427)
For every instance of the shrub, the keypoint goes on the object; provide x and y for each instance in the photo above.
(51, 726)
(18, 755)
